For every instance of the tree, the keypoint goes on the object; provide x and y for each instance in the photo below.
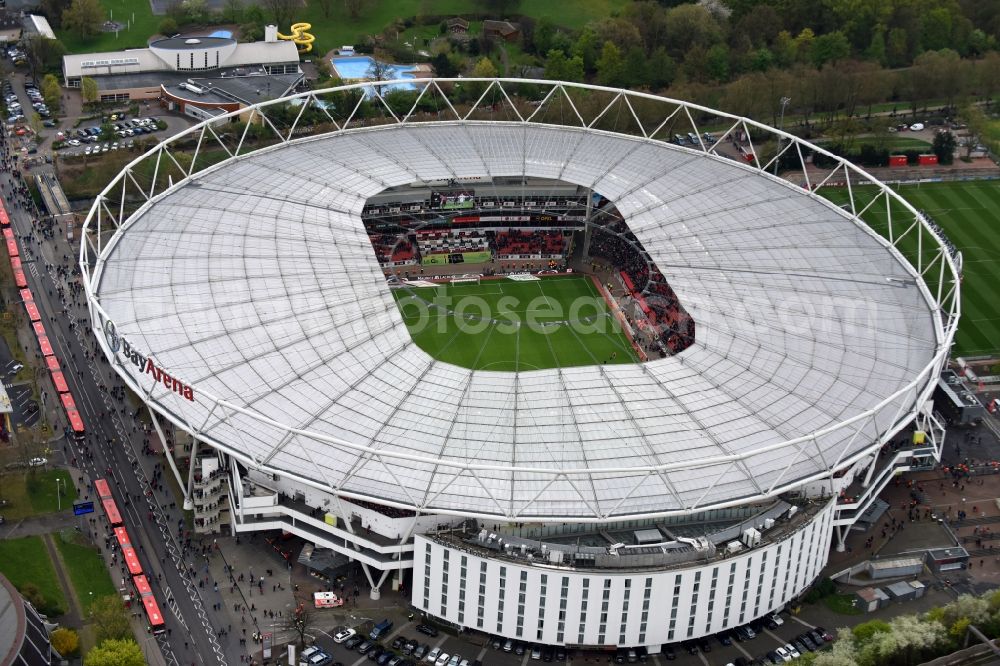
(661, 69)
(43, 53)
(54, 9)
(588, 47)
(876, 47)
(84, 18)
(300, 622)
(88, 89)
(560, 68)
(325, 6)
(717, 62)
(114, 652)
(691, 25)
(65, 641)
(484, 69)
(914, 638)
(762, 60)
(443, 67)
(51, 92)
(232, 11)
(379, 71)
(897, 48)
(831, 47)
(108, 615)
(650, 20)
(939, 74)
(280, 11)
(353, 8)
(168, 27)
(35, 122)
(866, 630)
(610, 66)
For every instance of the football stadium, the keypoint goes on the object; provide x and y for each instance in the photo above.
(555, 342)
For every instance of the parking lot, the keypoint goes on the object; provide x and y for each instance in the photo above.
(478, 647)
(87, 139)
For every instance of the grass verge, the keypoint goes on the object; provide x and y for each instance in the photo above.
(25, 562)
(87, 572)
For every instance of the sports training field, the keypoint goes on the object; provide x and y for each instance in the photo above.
(968, 213)
(558, 321)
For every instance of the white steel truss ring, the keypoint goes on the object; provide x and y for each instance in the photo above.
(107, 224)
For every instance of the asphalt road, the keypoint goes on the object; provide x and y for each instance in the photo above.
(112, 445)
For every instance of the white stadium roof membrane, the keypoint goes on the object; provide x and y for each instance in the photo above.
(255, 283)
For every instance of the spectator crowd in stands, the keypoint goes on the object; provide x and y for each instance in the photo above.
(521, 242)
(616, 244)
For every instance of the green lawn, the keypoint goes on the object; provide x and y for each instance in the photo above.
(559, 321)
(122, 11)
(902, 143)
(87, 572)
(25, 561)
(34, 492)
(842, 603)
(967, 211)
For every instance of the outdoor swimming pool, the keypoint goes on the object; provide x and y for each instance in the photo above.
(356, 67)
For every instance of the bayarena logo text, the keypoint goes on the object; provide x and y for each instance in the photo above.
(144, 363)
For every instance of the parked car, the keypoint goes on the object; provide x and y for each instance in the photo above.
(790, 649)
(343, 635)
(353, 642)
(916, 127)
(431, 657)
(668, 652)
(508, 645)
(442, 659)
(420, 651)
(427, 630)
(536, 653)
(783, 654)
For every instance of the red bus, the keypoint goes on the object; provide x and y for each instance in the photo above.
(8, 233)
(4, 218)
(103, 489)
(20, 280)
(45, 346)
(131, 560)
(153, 614)
(38, 326)
(60, 381)
(111, 511)
(32, 310)
(12, 248)
(121, 534)
(53, 363)
(15, 263)
(67, 401)
(75, 422)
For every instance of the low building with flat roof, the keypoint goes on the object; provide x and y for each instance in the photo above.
(140, 73)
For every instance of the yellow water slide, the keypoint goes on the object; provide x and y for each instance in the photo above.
(302, 39)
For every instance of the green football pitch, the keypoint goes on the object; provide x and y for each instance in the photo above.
(505, 325)
(969, 213)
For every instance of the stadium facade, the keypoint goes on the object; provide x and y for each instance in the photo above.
(599, 505)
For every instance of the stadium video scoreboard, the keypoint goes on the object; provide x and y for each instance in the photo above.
(453, 199)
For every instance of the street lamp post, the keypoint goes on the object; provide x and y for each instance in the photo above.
(781, 127)
(58, 493)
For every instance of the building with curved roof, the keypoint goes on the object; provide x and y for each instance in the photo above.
(245, 304)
